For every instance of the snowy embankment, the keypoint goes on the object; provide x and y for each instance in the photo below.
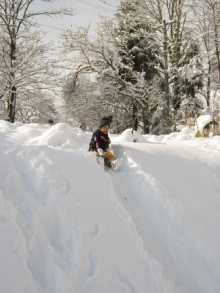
(66, 226)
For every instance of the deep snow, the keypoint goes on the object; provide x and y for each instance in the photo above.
(66, 226)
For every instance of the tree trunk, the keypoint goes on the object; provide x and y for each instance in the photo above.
(135, 117)
(12, 105)
(217, 51)
(146, 128)
(13, 89)
(166, 108)
(208, 84)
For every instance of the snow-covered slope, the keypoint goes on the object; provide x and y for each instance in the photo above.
(66, 226)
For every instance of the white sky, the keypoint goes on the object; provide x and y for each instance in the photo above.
(87, 14)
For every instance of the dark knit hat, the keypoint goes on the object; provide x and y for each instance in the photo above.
(105, 121)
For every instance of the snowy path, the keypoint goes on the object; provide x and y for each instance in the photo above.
(68, 227)
(168, 217)
(62, 228)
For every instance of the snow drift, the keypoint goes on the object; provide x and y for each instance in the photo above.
(67, 226)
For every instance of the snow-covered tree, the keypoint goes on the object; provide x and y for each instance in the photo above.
(146, 61)
(213, 7)
(82, 101)
(24, 64)
(138, 49)
(174, 31)
(101, 58)
(123, 65)
(38, 107)
(206, 13)
(187, 77)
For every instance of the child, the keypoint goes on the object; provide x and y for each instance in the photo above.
(100, 143)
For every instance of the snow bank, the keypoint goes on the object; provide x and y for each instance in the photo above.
(202, 121)
(67, 226)
(213, 144)
(62, 228)
(130, 135)
(61, 135)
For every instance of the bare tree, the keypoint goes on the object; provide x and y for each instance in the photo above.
(171, 19)
(100, 58)
(207, 13)
(16, 20)
(203, 28)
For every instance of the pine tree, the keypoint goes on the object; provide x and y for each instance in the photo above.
(186, 75)
(138, 50)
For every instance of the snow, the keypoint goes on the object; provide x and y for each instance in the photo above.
(131, 135)
(66, 226)
(202, 121)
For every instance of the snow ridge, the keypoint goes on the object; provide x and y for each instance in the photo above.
(67, 226)
(156, 206)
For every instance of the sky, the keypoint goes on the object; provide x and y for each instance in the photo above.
(87, 12)
(69, 226)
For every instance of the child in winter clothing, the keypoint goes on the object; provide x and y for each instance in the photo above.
(100, 142)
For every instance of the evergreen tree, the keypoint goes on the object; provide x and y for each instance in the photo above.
(138, 50)
(186, 75)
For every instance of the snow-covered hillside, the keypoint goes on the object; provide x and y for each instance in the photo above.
(66, 226)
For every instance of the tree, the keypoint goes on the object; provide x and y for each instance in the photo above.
(175, 35)
(139, 50)
(81, 101)
(146, 60)
(16, 21)
(213, 7)
(122, 62)
(100, 57)
(206, 13)
(38, 108)
(187, 77)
